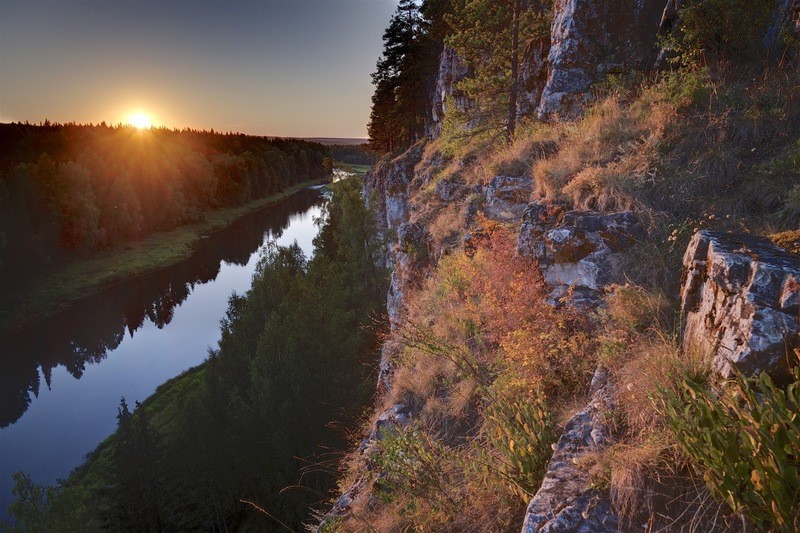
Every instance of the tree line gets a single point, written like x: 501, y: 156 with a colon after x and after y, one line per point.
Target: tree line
x: 252, y: 427
x: 68, y: 189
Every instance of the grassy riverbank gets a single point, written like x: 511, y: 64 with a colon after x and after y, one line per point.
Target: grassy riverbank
x: 253, y: 421
x: 58, y: 288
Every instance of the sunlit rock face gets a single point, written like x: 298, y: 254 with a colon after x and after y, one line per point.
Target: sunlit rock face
x: 741, y: 296
x: 566, y: 500
x: 446, y: 94
x: 579, y: 252
x: 591, y: 39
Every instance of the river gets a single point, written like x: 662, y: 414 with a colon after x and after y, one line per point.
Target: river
x: 62, y: 379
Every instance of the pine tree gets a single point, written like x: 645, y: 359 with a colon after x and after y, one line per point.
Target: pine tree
x: 404, y: 75
x: 491, y: 37
x: 135, y: 502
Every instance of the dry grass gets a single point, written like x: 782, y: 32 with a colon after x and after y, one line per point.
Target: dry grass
x: 640, y: 468
x: 533, y: 143
x: 447, y: 227
x: 788, y: 240
x: 729, y: 149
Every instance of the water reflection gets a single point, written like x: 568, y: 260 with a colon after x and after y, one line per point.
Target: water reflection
x: 97, y: 325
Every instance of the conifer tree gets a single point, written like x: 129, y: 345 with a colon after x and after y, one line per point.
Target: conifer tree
x: 405, y: 72
x: 491, y: 37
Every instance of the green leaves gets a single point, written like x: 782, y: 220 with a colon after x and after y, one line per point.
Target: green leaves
x: 521, y: 430
x: 746, y: 442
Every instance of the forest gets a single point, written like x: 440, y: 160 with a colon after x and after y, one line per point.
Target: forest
x: 69, y: 189
x: 251, y: 437
x: 358, y: 154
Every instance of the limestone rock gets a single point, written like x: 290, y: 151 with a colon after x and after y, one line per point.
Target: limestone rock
x: 533, y: 77
x: 593, y: 38
x: 413, y: 241
x: 449, y: 190
x: 446, y: 94
x: 507, y: 197
x: 389, y: 351
x: 741, y: 297
x: 386, y: 423
x: 578, y: 249
x: 565, y: 501
x: 412, y: 254
x: 386, y: 188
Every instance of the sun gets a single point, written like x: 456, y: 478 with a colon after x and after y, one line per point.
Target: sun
x: 140, y: 120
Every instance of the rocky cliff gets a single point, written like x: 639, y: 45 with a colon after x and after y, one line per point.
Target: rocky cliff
x: 739, y: 294
x: 589, y: 40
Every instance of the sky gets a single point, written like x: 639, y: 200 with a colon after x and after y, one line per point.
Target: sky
x: 294, y: 68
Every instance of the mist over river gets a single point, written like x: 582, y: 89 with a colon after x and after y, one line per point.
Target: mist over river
x: 62, y: 379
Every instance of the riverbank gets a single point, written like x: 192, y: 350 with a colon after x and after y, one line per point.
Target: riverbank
x: 191, y: 448
x: 58, y: 289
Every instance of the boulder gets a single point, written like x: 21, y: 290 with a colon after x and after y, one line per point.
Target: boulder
x: 578, y: 249
x: 507, y: 197
x: 741, y: 296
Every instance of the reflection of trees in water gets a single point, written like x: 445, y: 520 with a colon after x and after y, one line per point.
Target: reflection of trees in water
x: 97, y: 325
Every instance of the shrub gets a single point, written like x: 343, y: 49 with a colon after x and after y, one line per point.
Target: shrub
x: 414, y: 466
x: 746, y: 442
x: 713, y: 30
x: 520, y: 429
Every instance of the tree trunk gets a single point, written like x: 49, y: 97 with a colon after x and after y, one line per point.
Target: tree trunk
x: 511, y: 123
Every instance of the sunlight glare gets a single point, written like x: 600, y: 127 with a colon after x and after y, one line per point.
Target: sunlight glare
x: 140, y: 121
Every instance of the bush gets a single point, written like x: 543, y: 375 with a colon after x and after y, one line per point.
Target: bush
x: 521, y: 430
x: 719, y: 29
x: 746, y: 443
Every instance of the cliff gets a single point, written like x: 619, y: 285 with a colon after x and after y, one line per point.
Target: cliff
x: 534, y: 371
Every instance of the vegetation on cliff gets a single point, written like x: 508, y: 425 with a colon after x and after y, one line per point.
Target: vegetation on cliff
x: 487, y: 366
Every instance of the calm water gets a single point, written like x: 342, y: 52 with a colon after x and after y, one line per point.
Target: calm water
x: 61, y: 381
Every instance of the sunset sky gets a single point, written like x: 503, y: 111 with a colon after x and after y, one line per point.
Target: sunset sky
x: 274, y: 67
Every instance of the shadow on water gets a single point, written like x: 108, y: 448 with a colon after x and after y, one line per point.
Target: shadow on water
x: 96, y: 325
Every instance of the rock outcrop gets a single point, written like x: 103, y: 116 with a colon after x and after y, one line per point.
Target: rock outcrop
x: 446, y: 93
x: 578, y: 252
x: 386, y: 189
x: 566, y: 501
x: 450, y: 190
x: 411, y: 256
x: 591, y: 39
x: 507, y: 197
x: 532, y: 77
x: 741, y: 296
